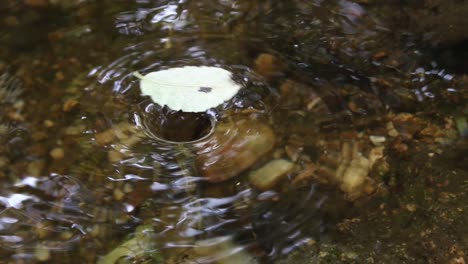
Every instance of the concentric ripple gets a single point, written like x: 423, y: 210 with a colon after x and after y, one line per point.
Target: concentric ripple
x: 189, y: 187
x: 194, y: 193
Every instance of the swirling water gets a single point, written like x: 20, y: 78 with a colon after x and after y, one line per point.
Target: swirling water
x: 91, y: 172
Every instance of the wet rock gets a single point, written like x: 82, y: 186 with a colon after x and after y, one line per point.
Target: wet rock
x: 118, y: 194
x: 268, y: 66
x: 48, y: 123
x: 3, y: 162
x: 270, y: 174
x: 124, y: 133
x: 57, y: 153
x: 348, y: 167
x: 234, y: 147
x: 134, y: 248
x: 74, y: 130
x: 293, y: 151
x: 42, y: 253
x: 114, y: 156
x: 377, y: 140
x: 354, y: 174
x: 69, y: 105
x: 407, y: 125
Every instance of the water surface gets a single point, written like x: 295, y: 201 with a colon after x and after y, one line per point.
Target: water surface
x: 371, y: 122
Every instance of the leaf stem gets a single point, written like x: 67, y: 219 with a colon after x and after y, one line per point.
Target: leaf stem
x: 138, y: 75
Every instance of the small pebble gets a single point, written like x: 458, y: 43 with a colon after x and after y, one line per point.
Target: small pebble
x: 457, y: 260
x: 114, y: 156
x: 293, y: 152
x: 95, y: 231
x: 3, y: 162
x: 14, y: 116
x: 74, y: 130
x: 66, y: 235
x: 48, y: 123
x: 411, y: 207
x: 105, y: 137
x: 379, y: 55
x: 118, y: 194
x: 287, y: 87
x: 271, y: 173
x: 59, y: 76
x: 42, y: 253
x: 393, y: 133
x: 69, y: 105
x: 377, y: 140
x: 314, y: 103
x: 57, y: 153
x: 18, y: 105
x: 391, y: 130
x: 267, y: 65
x: 127, y: 188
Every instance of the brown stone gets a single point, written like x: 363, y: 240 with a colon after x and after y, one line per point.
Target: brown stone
x: 234, y: 147
x: 69, y: 105
x: 267, y: 65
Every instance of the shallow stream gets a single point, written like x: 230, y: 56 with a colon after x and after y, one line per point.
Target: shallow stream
x: 346, y: 144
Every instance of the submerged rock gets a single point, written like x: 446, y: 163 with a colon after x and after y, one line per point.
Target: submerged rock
x: 268, y: 66
x: 270, y: 174
x: 233, y: 147
x: 345, y: 165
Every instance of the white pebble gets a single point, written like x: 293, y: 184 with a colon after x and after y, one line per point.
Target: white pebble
x: 377, y: 140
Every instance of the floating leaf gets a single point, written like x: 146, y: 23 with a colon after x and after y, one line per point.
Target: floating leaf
x: 190, y: 88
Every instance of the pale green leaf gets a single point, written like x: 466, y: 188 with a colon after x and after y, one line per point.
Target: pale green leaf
x: 190, y: 88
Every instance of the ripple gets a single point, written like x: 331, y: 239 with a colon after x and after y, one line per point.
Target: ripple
x: 55, y: 212
x: 194, y: 191
x: 323, y: 91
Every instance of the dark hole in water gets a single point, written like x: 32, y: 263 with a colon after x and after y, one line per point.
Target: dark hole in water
x: 178, y: 126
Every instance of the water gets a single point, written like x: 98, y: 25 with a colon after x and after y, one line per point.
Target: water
x: 368, y: 126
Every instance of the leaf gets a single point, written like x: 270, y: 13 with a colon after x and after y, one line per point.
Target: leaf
x: 190, y: 88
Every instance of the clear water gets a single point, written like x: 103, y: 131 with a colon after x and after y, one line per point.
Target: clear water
x: 372, y: 124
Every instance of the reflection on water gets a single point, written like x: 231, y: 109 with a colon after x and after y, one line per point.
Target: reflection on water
x: 335, y: 121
